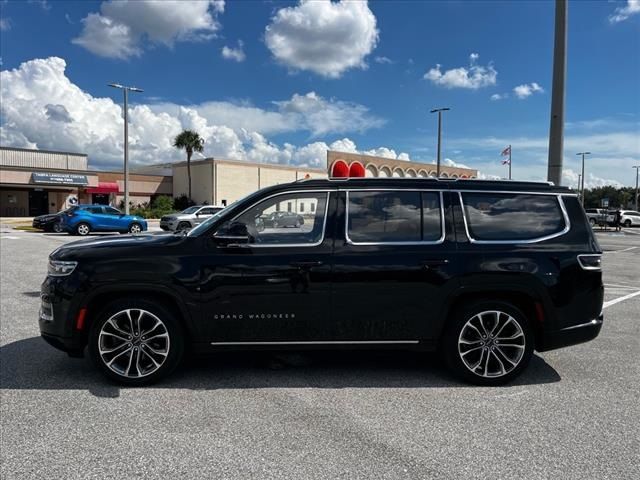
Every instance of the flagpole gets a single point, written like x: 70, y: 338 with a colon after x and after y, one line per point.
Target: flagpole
x: 509, y: 162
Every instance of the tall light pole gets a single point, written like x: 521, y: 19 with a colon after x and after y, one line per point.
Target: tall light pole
x: 637, y: 167
x: 126, y: 90
x: 556, y: 127
x: 579, y: 177
x: 582, y: 185
x: 439, y: 110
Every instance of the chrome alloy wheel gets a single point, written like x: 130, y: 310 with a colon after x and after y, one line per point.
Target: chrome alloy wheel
x: 135, y: 228
x: 491, y: 344
x: 83, y: 229
x: 133, y: 343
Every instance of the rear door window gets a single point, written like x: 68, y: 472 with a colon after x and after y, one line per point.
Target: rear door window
x: 94, y: 210
x: 393, y: 217
x: 512, y: 216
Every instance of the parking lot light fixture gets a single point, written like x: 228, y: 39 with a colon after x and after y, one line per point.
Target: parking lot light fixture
x: 637, y: 167
x: 582, y: 185
x: 439, y: 110
x: 126, y: 140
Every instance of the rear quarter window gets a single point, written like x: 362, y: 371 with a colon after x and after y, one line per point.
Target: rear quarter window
x: 512, y: 216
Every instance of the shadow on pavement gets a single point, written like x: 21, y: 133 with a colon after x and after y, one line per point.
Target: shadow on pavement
x: 33, y: 365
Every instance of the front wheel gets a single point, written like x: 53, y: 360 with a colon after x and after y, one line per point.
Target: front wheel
x: 183, y: 226
x: 83, y: 229
x: 593, y: 222
x: 136, y: 342
x: 488, y: 343
x: 57, y: 227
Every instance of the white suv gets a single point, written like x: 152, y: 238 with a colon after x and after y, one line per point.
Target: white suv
x: 189, y: 218
x: 630, y: 218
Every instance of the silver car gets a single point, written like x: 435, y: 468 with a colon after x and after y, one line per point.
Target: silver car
x: 188, y: 218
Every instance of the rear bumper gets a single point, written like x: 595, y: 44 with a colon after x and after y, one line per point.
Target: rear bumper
x: 570, y: 335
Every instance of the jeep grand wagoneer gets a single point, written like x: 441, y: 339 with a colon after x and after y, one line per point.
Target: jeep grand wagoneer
x: 485, y: 272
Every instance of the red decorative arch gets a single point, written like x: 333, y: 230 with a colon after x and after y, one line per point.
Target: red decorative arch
x: 356, y: 169
x: 339, y: 169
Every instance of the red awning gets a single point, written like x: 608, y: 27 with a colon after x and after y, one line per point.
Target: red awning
x: 104, y: 187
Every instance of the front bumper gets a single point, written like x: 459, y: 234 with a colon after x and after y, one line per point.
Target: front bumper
x: 570, y: 335
x: 58, y: 307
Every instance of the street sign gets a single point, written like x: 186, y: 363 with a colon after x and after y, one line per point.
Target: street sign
x: 605, y: 202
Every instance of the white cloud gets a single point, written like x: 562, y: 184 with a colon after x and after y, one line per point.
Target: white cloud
x: 383, y: 60
x: 122, y: 27
x: 499, y: 96
x: 471, y: 77
x: 570, y: 179
x: 5, y: 24
x: 322, y: 36
x: 42, y: 108
x: 237, y: 54
x: 620, y: 14
x: 526, y: 90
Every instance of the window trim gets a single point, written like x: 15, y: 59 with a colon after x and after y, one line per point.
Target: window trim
x: 289, y: 192
x: 419, y: 190
x: 563, y: 209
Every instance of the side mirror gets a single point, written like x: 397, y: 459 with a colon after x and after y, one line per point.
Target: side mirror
x: 198, y: 214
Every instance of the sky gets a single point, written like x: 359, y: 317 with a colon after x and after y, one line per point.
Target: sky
x: 281, y: 82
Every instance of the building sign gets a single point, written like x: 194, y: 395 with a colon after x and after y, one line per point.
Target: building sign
x: 59, y: 178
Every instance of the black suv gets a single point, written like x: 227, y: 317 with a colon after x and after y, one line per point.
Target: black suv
x: 482, y: 271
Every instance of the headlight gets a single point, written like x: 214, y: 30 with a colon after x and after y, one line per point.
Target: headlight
x: 61, y: 269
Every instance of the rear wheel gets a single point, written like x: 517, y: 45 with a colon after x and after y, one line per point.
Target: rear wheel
x: 83, y: 229
x: 136, y: 342
x: 593, y: 222
x: 627, y: 223
x: 488, y: 343
x: 135, y: 228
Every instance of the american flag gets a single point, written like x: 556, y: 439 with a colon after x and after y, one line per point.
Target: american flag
x: 506, y: 153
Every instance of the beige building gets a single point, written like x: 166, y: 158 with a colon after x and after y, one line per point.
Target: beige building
x: 220, y: 182
x: 36, y: 182
x: 387, y: 167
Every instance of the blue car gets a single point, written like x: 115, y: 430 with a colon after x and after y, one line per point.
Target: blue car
x: 84, y: 219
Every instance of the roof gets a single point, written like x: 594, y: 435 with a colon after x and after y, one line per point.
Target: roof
x: 454, y: 184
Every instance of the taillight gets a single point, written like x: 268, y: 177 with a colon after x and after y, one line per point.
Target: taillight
x: 590, y: 261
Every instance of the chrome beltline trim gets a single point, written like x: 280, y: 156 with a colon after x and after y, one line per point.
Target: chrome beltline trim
x: 330, y: 342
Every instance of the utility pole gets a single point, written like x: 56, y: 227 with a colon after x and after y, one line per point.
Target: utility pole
x: 439, y: 110
x: 556, y: 128
x: 126, y: 140
x: 582, y: 185
x: 637, y: 167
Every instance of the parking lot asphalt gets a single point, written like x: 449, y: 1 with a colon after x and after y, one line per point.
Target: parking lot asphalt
x: 575, y: 413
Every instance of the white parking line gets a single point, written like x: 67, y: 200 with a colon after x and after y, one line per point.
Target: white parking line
x: 9, y: 237
x: 619, y: 251
x: 620, y: 299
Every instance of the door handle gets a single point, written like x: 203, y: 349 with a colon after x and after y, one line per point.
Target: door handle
x: 305, y: 264
x: 427, y: 264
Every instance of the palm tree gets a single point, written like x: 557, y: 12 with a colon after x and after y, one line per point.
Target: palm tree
x: 189, y: 141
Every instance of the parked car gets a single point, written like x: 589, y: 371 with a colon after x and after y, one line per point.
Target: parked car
x: 50, y: 222
x: 84, y: 219
x: 485, y: 272
x: 282, y: 220
x: 599, y: 216
x: 188, y: 218
x: 630, y: 218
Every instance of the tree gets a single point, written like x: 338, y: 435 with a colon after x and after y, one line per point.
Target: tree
x: 190, y: 142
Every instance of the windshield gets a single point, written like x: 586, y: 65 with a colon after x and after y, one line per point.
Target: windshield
x: 191, y: 210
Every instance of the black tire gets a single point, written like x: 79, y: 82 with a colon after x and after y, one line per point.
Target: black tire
x: 593, y: 222
x: 57, y: 227
x: 83, y: 229
x: 174, y: 345
x: 135, y: 226
x: 627, y: 223
x: 453, y: 356
x: 183, y: 226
